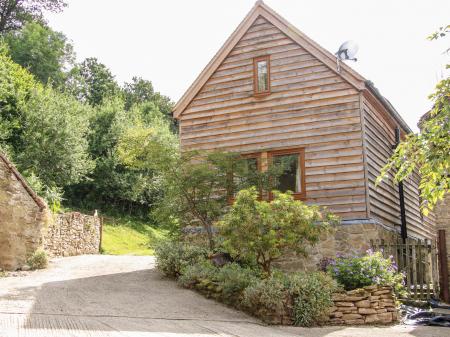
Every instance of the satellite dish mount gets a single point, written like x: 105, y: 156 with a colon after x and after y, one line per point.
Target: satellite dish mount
x: 347, y: 52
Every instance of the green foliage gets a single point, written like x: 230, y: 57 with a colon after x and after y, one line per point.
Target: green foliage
x: 233, y: 279
x: 264, y: 231
x: 174, y: 256
x: 52, y: 195
x: 372, y: 268
x: 92, y: 82
x: 427, y: 152
x: 269, y: 293
x: 313, y: 296
x: 38, y: 260
x: 310, y: 292
x: 201, y: 272
x: 41, y: 50
x: 44, y: 131
x: 53, y: 143
x: 15, y: 13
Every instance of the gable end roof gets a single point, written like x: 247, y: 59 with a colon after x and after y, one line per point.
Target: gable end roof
x: 41, y: 204
x: 261, y: 9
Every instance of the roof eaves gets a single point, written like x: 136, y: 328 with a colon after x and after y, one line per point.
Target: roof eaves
x: 388, y: 105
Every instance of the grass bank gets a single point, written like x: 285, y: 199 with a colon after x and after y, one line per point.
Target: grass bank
x: 127, y: 236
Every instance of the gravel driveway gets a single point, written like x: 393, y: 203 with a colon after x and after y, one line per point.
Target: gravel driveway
x: 98, y: 295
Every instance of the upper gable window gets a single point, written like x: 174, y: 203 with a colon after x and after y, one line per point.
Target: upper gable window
x: 261, y: 75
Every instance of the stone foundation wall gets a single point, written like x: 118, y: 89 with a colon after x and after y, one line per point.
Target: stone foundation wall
x: 73, y: 234
x: 347, y: 238
x: 368, y: 305
x: 22, y: 217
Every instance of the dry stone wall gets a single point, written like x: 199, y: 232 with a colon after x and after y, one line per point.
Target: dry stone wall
x: 73, y: 234
x: 22, y: 217
x: 368, y: 305
x: 348, y: 238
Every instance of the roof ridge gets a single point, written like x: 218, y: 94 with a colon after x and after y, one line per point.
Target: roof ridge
x: 41, y: 204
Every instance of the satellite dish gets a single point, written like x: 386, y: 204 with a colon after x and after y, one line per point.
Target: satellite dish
x: 347, y: 52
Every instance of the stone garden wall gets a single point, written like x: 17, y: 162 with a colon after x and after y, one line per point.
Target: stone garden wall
x: 73, y: 234
x: 347, y: 238
x: 368, y: 305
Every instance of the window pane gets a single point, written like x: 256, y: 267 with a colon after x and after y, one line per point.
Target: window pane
x: 290, y: 179
x: 263, y: 81
x: 246, y: 173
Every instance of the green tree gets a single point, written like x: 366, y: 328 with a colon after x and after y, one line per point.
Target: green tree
x: 44, y: 131
x: 41, y: 50
x: 427, y: 152
x: 141, y: 91
x: 264, y: 231
x: 53, y: 143
x: 15, y: 13
x: 113, y: 186
x: 15, y: 86
x: 196, y: 187
x: 92, y: 82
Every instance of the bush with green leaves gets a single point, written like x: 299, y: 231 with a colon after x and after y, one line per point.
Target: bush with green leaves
x: 173, y: 256
x: 38, y: 260
x: 355, y: 272
x: 265, y: 231
x: 312, y: 293
x: 233, y: 279
x: 202, y: 271
x: 268, y: 294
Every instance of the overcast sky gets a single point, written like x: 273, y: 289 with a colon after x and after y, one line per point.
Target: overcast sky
x: 170, y: 41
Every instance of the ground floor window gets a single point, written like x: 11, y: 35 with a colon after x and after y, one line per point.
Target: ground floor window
x: 292, y: 171
x: 288, y: 171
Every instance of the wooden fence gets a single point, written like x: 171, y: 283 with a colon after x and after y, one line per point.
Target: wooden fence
x: 417, y: 259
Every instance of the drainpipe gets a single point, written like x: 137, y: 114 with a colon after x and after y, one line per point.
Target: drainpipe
x: 401, y: 195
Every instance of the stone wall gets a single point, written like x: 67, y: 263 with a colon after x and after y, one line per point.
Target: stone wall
x: 347, y: 238
x: 22, y: 217
x: 73, y: 234
x: 368, y: 305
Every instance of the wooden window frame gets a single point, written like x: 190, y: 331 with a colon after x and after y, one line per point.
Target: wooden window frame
x: 301, y: 158
x: 255, y: 76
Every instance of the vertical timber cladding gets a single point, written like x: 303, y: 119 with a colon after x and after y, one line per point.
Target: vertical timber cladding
x: 379, y: 135
x: 309, y: 106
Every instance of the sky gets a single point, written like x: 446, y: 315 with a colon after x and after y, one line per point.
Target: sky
x: 170, y: 41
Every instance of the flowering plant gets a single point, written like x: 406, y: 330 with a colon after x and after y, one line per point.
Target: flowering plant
x: 356, y: 272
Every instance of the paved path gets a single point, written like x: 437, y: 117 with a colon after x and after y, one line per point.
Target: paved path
x: 124, y: 296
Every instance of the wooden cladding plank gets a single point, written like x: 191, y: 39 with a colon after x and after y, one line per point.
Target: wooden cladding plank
x: 309, y: 106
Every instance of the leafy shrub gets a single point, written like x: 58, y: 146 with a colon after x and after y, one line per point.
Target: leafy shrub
x: 310, y: 292
x: 38, y: 260
x: 173, y: 256
x: 372, y: 268
x: 234, y: 279
x: 202, y: 271
x: 264, y: 231
x: 268, y: 293
x: 312, y: 296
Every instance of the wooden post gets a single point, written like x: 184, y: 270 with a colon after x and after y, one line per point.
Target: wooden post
x: 101, y: 235
x: 443, y: 266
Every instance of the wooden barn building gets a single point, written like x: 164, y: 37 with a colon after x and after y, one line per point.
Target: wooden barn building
x: 271, y: 91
